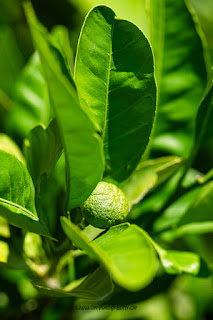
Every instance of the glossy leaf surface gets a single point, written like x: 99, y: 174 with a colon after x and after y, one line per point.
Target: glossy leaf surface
x: 114, y: 74
x: 17, y: 201
x: 177, y: 262
x: 125, y: 251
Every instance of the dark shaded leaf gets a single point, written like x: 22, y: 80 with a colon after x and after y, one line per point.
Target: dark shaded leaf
x: 96, y: 286
x: 43, y: 149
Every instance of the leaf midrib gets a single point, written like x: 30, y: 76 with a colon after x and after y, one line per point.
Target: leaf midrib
x: 15, y: 205
x: 107, y: 84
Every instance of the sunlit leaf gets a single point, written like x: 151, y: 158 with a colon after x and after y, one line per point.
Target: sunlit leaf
x: 125, y: 251
x: 17, y: 201
x: 114, y: 74
x: 148, y: 175
x: 177, y: 262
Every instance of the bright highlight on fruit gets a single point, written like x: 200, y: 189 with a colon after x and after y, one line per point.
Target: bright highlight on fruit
x: 106, y: 206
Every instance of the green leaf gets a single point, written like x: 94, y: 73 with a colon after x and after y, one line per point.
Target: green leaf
x: 176, y: 211
x: 96, y: 286
x: 177, y: 262
x: 198, y: 218
x: 82, y: 145
x: 11, y: 60
x: 201, y: 208
x: 114, y: 74
x: 10, y: 146
x: 204, y: 118
x: 31, y: 104
x: 148, y: 175
x: 17, y: 201
x: 50, y: 196
x: 181, y: 67
x: 150, y: 207
x: 193, y: 228
x: 125, y: 251
x: 42, y: 150
x: 60, y: 37
x: 177, y: 142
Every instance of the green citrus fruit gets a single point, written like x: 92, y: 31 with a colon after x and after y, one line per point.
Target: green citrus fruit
x: 106, y: 206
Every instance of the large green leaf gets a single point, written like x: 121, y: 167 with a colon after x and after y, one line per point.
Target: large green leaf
x: 82, y: 145
x: 17, y: 201
x: 96, y: 286
x: 180, y: 68
x: 31, y: 105
x: 125, y: 250
x: 148, y: 175
x: 114, y: 74
x: 43, y: 149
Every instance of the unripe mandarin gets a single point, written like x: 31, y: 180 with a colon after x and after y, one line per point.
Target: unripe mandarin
x: 106, y: 206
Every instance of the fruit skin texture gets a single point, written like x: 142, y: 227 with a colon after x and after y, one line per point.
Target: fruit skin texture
x: 106, y: 206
